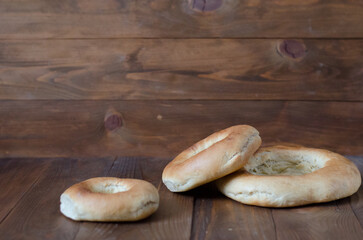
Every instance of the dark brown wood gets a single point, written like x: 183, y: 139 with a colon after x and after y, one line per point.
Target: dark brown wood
x: 172, y: 220
x: 165, y: 128
x: 37, y: 214
x: 314, y: 221
x: 317, y: 221
x: 205, y: 6
x: 251, y: 69
x: 180, y: 19
x: 356, y: 199
x: 13, y: 184
x: 217, y: 217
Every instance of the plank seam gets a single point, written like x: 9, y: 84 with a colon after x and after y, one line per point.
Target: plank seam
x: 25, y: 193
x: 355, y: 214
x: 76, y: 234
x: 113, y: 163
x: 193, y: 220
x: 355, y: 159
x: 274, y: 223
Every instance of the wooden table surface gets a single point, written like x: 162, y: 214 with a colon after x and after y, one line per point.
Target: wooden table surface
x: 30, y: 191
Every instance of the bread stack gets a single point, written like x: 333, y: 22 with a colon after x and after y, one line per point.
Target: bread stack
x: 278, y: 176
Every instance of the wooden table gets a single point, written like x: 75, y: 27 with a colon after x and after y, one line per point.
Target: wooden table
x: 30, y: 191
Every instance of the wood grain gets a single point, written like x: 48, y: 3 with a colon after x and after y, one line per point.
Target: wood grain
x: 13, y: 185
x: 223, y: 69
x: 180, y: 19
x: 217, y: 217
x: 171, y: 221
x: 316, y: 221
x: 164, y: 128
x: 37, y: 215
x: 356, y: 199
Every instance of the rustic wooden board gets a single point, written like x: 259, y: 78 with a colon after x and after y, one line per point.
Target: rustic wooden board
x: 164, y: 128
x: 13, y: 185
x: 37, y: 214
x: 181, y: 18
x: 250, y: 69
x: 316, y: 221
x: 356, y: 199
x: 172, y: 220
x: 216, y: 217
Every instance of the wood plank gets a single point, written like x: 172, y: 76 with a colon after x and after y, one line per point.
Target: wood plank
x: 37, y: 215
x: 317, y: 221
x: 14, y: 185
x: 171, y: 221
x: 356, y: 200
x: 217, y: 217
x: 266, y: 69
x: 180, y: 18
x: 164, y: 128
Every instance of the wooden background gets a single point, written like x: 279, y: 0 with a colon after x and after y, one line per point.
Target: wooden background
x: 119, y: 87
x: 151, y: 77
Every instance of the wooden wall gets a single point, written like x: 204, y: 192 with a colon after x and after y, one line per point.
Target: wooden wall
x: 151, y: 77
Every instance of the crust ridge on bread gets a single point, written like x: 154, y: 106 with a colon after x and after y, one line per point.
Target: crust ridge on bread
x: 217, y: 155
x: 332, y: 177
x: 109, y: 199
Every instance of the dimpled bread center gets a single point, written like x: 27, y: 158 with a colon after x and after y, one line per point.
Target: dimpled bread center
x: 285, y: 163
x: 283, y: 167
x: 109, y: 188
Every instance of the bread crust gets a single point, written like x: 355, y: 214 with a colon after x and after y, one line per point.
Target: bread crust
x: 94, y: 200
x: 217, y: 155
x: 336, y: 178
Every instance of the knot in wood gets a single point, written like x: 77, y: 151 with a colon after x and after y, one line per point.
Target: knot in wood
x: 206, y: 5
x: 292, y: 48
x: 113, y: 122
